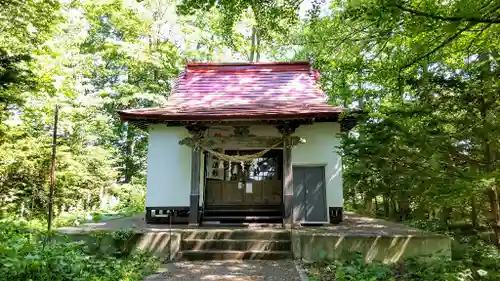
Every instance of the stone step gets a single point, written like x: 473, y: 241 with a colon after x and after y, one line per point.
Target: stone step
x: 237, y: 245
x: 240, y: 234
x: 243, y: 207
x: 234, y: 255
x: 244, y: 218
x: 248, y: 225
x: 248, y: 212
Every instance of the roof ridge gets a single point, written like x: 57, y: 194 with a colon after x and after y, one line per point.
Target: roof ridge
x: 247, y: 63
x: 248, y: 67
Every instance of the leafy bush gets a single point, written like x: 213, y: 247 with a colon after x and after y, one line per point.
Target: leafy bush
x: 29, y: 254
x: 132, y: 198
x: 479, y: 262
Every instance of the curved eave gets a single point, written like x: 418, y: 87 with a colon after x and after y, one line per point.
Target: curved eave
x: 347, y: 119
x: 126, y: 116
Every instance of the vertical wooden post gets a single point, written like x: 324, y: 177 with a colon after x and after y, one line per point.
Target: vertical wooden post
x: 287, y: 184
x: 197, y: 131
x: 194, y: 197
x: 53, y: 170
x: 287, y: 129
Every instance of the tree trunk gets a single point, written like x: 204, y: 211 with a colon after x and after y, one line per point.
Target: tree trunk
x: 404, y: 207
x: 354, y: 202
x: 2, y: 209
x: 495, y: 212
x: 473, y: 214
x: 129, y: 162
x: 445, y: 215
x: 22, y: 209
x: 489, y: 156
x: 257, y: 46
x: 253, y: 44
x: 393, y: 210
x: 369, y: 203
x: 102, y: 198
x: 386, y: 206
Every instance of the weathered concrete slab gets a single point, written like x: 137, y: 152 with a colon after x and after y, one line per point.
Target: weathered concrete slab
x: 388, y: 249
x: 227, y: 271
x: 375, y: 239
x: 162, y: 244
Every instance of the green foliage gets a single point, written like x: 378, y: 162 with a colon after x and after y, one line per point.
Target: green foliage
x: 478, y: 262
x: 26, y: 254
x: 132, y: 198
x: 25, y: 25
x: 424, y: 73
x: 91, y: 59
x: 265, y: 23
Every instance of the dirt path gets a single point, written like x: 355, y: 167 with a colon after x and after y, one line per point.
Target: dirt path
x: 227, y: 271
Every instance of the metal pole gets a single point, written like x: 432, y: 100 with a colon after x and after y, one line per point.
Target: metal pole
x: 169, y: 212
x: 53, y: 170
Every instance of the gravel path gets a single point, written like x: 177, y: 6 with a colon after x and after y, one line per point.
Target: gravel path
x: 227, y: 271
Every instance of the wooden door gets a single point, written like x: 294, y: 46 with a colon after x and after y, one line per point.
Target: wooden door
x: 223, y: 193
x: 235, y: 193
x: 255, y: 183
x: 309, y: 194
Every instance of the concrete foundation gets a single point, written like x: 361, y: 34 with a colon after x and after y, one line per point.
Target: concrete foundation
x: 310, y: 247
x: 163, y: 244
x: 375, y: 239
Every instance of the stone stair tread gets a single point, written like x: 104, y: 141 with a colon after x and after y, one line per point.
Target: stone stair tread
x: 236, y: 251
x: 243, y: 217
x: 242, y: 211
x: 247, y: 225
x: 234, y: 240
x: 251, y: 232
x: 233, y: 255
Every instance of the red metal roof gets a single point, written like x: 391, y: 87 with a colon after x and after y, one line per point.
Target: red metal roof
x: 218, y: 91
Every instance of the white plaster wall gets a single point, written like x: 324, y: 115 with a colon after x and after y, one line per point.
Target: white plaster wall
x: 169, y: 167
x: 321, y: 149
x: 169, y: 164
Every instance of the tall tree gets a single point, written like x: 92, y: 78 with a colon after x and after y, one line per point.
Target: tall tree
x: 266, y: 20
x: 422, y: 71
x: 131, y: 67
x: 24, y: 26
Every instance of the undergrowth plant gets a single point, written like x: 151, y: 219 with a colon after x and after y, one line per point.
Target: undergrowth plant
x: 468, y: 263
x: 31, y: 254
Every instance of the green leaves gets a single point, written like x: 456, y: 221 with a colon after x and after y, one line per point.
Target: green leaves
x: 25, y: 256
x: 248, y: 28
x: 422, y: 72
x: 471, y: 265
